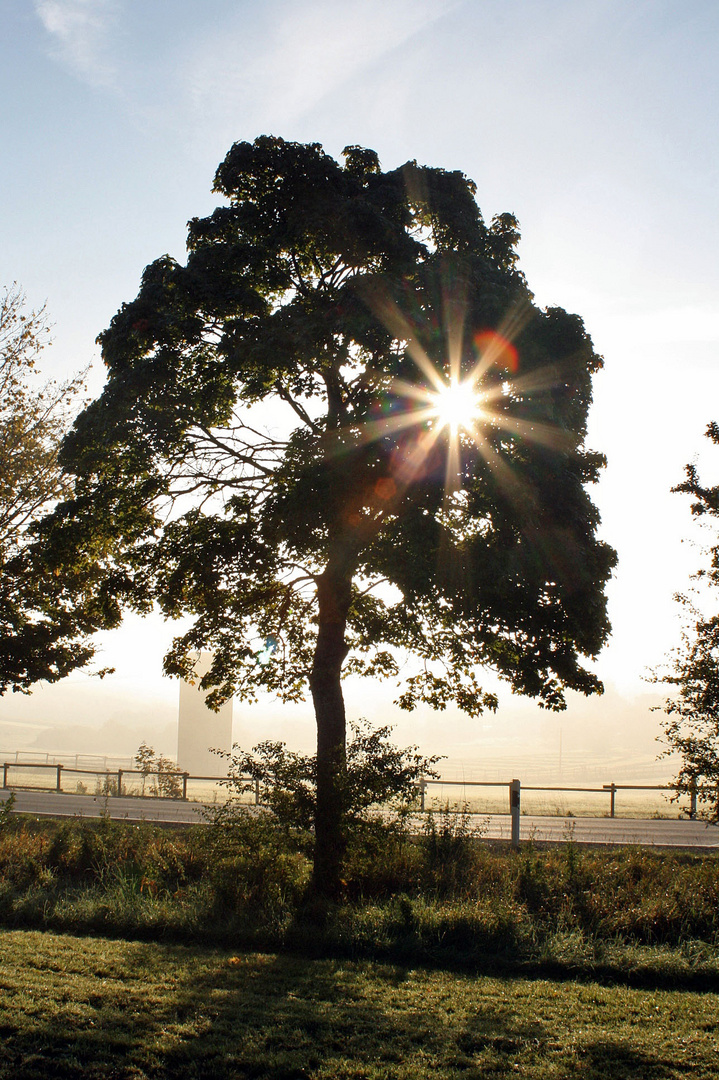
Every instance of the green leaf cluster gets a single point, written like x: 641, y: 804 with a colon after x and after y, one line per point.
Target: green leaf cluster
x: 379, y: 774
x: 44, y: 618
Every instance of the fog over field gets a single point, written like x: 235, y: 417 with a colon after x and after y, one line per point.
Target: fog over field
x: 610, y: 738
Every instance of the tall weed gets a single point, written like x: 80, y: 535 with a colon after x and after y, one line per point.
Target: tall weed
x: 6, y: 810
x: 445, y: 891
x: 451, y: 852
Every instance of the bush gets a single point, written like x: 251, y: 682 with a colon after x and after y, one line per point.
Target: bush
x: 383, y: 857
x: 379, y: 774
x: 252, y: 862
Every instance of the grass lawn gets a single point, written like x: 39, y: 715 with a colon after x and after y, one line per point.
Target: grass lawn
x: 91, y: 1007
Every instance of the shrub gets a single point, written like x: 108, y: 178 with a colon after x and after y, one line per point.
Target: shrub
x: 379, y: 774
x: 168, y: 778
x: 254, y: 867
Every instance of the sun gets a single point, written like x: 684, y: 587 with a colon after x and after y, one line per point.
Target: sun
x: 457, y: 405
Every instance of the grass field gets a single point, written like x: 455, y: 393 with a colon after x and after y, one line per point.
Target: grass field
x: 446, y: 956
x: 90, y: 1008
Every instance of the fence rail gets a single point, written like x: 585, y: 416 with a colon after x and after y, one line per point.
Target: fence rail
x: 174, y: 784
x: 153, y: 783
x: 90, y: 762
x: 696, y: 792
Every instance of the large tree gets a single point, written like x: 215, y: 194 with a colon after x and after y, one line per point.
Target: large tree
x: 42, y: 626
x: 343, y: 435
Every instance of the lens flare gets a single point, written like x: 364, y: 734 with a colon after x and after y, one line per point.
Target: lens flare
x: 466, y: 401
x: 495, y: 349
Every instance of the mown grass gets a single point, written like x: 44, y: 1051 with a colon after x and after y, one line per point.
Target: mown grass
x: 446, y: 957
x: 97, y: 1008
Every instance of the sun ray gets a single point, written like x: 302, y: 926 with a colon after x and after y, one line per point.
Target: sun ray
x: 406, y: 389
x: 461, y: 409
x: 399, y: 325
x: 454, y: 303
x: 555, y: 548
x: 453, y: 465
x: 534, y: 382
x: 545, y: 434
x: 372, y: 430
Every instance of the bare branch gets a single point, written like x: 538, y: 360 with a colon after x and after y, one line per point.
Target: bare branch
x: 295, y: 405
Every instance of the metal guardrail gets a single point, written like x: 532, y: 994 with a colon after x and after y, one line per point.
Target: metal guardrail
x: 174, y: 784
x: 168, y: 783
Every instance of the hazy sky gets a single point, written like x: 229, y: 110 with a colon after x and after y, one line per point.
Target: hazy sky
x: 594, y: 121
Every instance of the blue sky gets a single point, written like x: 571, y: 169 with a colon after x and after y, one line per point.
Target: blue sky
x: 594, y: 121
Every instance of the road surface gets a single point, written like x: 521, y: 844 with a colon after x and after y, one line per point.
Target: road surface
x: 646, y: 832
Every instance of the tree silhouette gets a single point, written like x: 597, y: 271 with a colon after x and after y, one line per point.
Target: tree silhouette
x: 42, y: 628
x: 342, y: 436
x: 691, y: 727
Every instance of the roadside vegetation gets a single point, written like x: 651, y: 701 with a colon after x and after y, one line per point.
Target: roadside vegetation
x: 203, y: 951
x: 446, y: 896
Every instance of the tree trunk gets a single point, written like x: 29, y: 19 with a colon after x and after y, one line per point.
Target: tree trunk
x: 333, y: 595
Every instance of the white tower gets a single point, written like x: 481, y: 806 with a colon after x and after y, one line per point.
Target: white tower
x: 199, y: 728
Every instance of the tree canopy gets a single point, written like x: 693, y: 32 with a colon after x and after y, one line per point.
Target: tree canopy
x: 340, y: 436
x: 41, y: 627
x: 691, y: 727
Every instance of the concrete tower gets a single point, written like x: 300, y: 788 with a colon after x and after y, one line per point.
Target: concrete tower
x: 199, y: 728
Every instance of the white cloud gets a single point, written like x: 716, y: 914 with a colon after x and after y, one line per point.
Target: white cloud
x: 274, y: 71
x: 79, y: 32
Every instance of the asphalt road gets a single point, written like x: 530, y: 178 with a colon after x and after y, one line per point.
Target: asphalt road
x: 646, y: 832
x: 127, y: 808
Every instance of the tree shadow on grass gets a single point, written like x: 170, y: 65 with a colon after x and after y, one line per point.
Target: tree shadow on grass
x: 635, y: 977
x: 224, y: 1016
x: 620, y: 1062
x: 201, y: 1013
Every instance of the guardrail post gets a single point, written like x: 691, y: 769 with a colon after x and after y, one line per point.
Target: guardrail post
x: 119, y: 781
x: 59, y: 778
x: 612, y: 789
x: 422, y: 790
x: 185, y: 778
x: 514, y: 809
x: 4, y: 775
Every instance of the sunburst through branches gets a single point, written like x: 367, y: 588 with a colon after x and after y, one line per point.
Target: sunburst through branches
x: 458, y: 406
x: 459, y: 400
